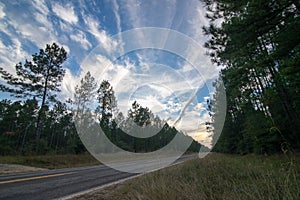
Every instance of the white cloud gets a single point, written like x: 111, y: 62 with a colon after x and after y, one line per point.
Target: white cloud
x: 10, y: 55
x: 68, y: 84
x: 150, y: 13
x: 198, y: 20
x: 107, y: 42
x: 96, y: 65
x: 2, y: 46
x: 132, y: 10
x: 43, y: 26
x: 40, y: 6
x: 42, y: 19
x: 41, y: 14
x: 187, y: 68
x: 33, y: 25
x: 80, y: 37
x: 2, y: 13
x: 194, y: 125
x: 29, y: 31
x: 65, y: 12
x: 66, y: 27
x: 118, y: 21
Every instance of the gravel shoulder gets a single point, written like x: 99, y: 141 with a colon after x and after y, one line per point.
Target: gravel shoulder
x: 9, y: 168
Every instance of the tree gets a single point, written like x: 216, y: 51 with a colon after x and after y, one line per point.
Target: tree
x: 39, y: 78
x: 107, y: 101
x: 17, y: 124
x: 107, y: 110
x: 258, y: 45
x: 85, y: 93
x: 140, y: 115
x: 10, y: 129
x: 27, y: 117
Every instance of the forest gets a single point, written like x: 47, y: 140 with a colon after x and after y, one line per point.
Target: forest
x: 257, y: 45
x: 37, y: 122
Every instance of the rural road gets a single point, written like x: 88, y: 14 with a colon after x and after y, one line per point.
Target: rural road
x: 53, y: 184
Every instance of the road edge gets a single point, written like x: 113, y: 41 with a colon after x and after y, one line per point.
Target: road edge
x: 97, y: 188
x: 68, y: 197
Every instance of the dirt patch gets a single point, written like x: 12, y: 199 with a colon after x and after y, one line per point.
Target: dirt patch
x: 7, y: 169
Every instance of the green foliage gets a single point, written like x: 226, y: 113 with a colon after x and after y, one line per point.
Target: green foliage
x: 17, y: 125
x: 85, y: 93
x: 39, y: 78
x: 33, y: 127
x: 258, y: 45
x: 117, y: 127
x: 140, y: 115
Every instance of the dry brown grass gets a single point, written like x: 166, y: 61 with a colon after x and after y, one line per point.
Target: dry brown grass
x: 51, y: 161
x: 217, y: 176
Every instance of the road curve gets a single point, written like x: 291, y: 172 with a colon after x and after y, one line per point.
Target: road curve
x: 53, y: 184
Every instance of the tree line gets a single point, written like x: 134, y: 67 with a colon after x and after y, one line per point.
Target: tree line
x: 37, y: 122
x: 257, y: 43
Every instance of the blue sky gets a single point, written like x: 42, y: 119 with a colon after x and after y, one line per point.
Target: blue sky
x: 159, y: 79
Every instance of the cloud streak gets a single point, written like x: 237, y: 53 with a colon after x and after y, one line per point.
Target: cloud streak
x: 65, y: 12
x: 103, y: 38
x: 154, y: 78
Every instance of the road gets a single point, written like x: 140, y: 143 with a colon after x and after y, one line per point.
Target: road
x: 53, y: 184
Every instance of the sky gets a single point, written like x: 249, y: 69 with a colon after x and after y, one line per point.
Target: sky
x: 163, y: 67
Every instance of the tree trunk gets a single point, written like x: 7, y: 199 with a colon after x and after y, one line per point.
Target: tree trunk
x: 284, y: 96
x: 38, y: 122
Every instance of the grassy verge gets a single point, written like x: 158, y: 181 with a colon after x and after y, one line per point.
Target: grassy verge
x: 217, y: 176
x: 51, y: 161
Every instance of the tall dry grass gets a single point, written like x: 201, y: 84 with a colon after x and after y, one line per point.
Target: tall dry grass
x: 51, y: 161
x: 217, y: 176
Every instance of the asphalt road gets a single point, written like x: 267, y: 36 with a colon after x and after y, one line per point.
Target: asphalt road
x: 53, y: 184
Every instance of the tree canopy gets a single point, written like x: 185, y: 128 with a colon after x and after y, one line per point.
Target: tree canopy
x: 19, y: 121
x: 257, y: 43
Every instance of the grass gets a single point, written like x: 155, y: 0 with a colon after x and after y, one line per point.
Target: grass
x: 51, y: 161
x: 217, y: 176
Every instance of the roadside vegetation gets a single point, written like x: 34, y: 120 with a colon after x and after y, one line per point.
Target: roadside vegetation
x: 51, y: 161
x: 217, y: 176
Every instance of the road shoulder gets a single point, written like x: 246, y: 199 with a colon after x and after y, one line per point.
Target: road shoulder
x: 11, y: 169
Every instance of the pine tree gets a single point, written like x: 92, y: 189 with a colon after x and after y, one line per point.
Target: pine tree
x: 85, y: 93
x: 39, y: 78
x: 107, y: 101
x: 140, y: 115
x: 258, y: 45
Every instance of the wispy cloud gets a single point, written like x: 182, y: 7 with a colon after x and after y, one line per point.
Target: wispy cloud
x: 2, y: 13
x: 118, y: 22
x: 11, y: 54
x: 99, y: 33
x: 68, y: 85
x: 81, y: 38
x: 65, y: 12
